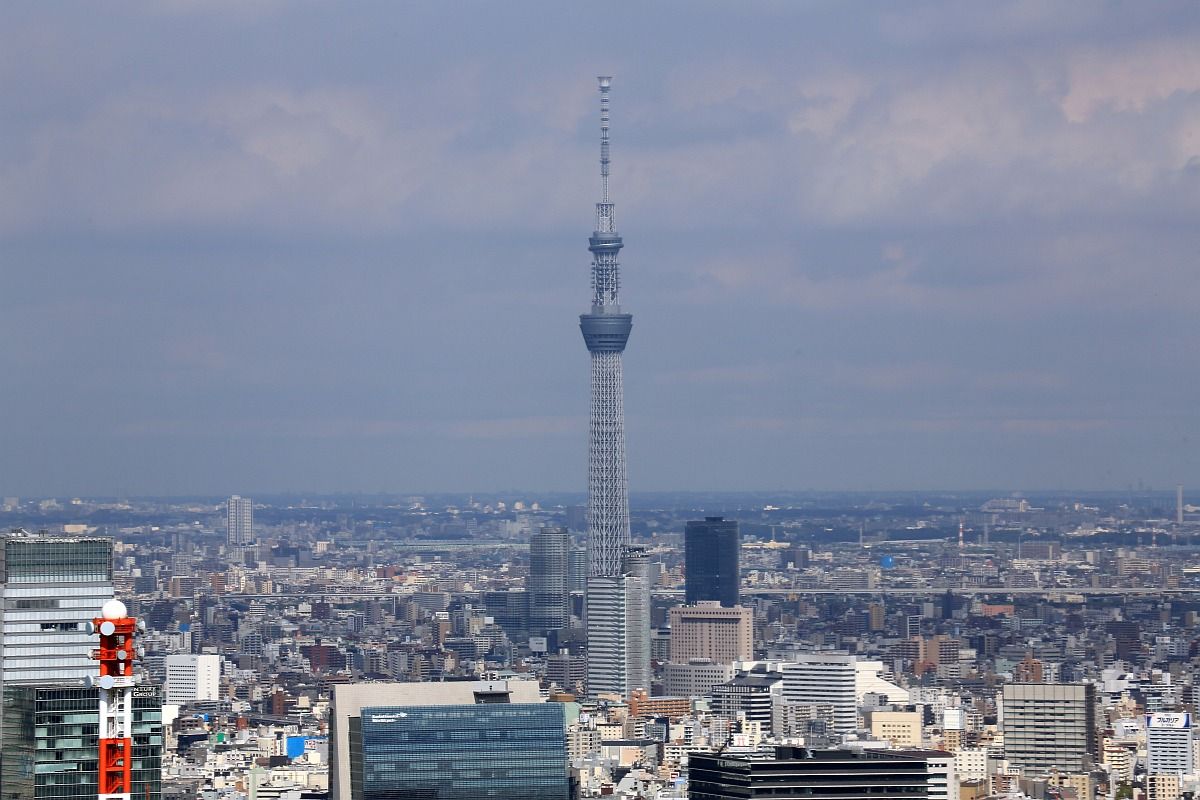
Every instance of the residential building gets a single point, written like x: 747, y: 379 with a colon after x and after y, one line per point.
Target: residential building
x: 1163, y: 786
x: 549, y: 591
x: 239, y: 521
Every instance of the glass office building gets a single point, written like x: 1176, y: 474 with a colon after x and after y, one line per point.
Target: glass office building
x: 712, y: 561
x: 49, y: 743
x: 50, y: 586
x: 460, y: 752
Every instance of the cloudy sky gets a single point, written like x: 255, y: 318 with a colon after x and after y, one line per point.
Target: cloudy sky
x: 269, y: 246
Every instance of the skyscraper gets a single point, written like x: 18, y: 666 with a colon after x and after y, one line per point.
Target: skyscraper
x: 618, y: 591
x: 549, y: 593
x: 712, y: 563
x: 240, y: 521
x: 50, y: 587
x: 618, y: 627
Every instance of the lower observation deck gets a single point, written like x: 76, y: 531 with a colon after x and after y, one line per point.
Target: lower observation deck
x: 605, y: 333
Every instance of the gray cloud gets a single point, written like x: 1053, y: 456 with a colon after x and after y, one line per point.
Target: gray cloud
x: 260, y: 246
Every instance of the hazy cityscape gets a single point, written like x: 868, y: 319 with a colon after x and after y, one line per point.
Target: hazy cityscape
x: 876, y: 249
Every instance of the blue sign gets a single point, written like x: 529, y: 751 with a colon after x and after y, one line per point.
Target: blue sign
x: 295, y: 746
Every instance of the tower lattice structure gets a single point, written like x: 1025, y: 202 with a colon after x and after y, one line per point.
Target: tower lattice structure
x: 606, y: 332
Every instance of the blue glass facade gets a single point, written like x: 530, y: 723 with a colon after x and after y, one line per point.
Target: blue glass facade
x: 464, y: 752
x: 712, y: 548
x: 49, y: 748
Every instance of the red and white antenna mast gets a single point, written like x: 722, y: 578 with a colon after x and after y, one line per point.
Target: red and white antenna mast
x: 115, y: 682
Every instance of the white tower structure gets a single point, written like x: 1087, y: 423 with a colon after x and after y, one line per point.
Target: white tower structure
x: 618, y: 601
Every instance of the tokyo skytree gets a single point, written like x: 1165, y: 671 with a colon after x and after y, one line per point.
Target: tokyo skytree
x: 618, y: 587
x: 605, y: 331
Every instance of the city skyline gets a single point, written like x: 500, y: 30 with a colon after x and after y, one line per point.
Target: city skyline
x: 942, y: 248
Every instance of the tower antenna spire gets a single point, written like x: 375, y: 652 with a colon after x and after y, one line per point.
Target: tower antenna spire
x: 605, y: 85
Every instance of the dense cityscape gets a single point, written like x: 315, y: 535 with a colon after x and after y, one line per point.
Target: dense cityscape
x: 1039, y: 646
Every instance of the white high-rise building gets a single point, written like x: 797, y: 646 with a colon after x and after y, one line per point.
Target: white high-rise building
x: 824, y: 679
x: 240, y: 521
x: 192, y: 677
x: 1169, y: 744
x: 618, y: 624
x: 50, y: 588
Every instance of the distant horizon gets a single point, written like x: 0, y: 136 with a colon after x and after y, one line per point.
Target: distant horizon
x: 522, y: 495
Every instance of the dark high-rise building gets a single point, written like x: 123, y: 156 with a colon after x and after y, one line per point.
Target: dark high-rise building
x: 49, y: 748
x: 796, y: 773
x: 549, y: 591
x: 712, y: 560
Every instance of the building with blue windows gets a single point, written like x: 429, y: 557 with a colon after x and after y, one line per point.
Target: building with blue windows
x: 49, y: 743
x: 464, y: 752
x: 452, y: 740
